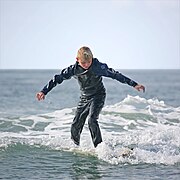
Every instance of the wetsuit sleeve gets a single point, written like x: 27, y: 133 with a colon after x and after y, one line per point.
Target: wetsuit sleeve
x: 65, y: 74
x: 109, y: 72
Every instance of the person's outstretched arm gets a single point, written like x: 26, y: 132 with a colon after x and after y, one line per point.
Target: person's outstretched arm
x: 65, y: 74
x: 104, y: 70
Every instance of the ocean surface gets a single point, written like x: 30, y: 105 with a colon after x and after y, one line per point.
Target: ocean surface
x: 35, y: 136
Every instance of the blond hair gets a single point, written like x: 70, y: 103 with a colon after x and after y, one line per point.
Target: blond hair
x: 84, y: 53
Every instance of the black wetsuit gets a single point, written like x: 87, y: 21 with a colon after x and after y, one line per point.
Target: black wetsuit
x: 92, y: 95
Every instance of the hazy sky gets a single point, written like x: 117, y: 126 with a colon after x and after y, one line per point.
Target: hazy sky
x: 126, y: 34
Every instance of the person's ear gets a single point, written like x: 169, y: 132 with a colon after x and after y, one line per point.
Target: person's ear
x: 77, y: 59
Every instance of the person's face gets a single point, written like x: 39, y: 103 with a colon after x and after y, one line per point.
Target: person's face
x: 85, y: 64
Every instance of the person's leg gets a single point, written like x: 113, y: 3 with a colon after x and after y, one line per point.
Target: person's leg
x: 95, y: 109
x: 79, y: 120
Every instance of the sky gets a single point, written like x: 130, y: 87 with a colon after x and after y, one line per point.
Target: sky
x: 125, y: 34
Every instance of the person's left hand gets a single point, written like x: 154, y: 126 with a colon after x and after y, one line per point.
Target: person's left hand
x: 140, y: 87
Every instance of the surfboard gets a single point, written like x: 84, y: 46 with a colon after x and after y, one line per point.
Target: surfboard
x: 84, y: 152
x: 124, y: 152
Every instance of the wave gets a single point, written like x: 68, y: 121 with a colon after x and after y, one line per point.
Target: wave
x: 148, y: 126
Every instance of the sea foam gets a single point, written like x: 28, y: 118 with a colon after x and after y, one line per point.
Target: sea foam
x: 148, y: 126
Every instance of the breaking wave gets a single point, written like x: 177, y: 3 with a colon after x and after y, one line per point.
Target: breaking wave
x: 148, y: 126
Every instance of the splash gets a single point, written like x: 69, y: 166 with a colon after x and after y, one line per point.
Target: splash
x: 149, y: 127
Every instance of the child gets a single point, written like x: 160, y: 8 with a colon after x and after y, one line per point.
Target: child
x: 88, y: 71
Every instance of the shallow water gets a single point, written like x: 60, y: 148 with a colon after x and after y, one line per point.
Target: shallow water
x: 35, y: 136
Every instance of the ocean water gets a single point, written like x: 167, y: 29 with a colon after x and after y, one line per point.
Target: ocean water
x: 35, y: 136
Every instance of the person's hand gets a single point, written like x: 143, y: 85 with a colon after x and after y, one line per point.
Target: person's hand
x: 140, y: 87
x: 40, y: 96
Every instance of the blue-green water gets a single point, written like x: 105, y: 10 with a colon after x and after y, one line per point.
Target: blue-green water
x: 35, y: 136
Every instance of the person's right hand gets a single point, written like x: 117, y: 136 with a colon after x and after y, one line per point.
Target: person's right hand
x: 40, y: 96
